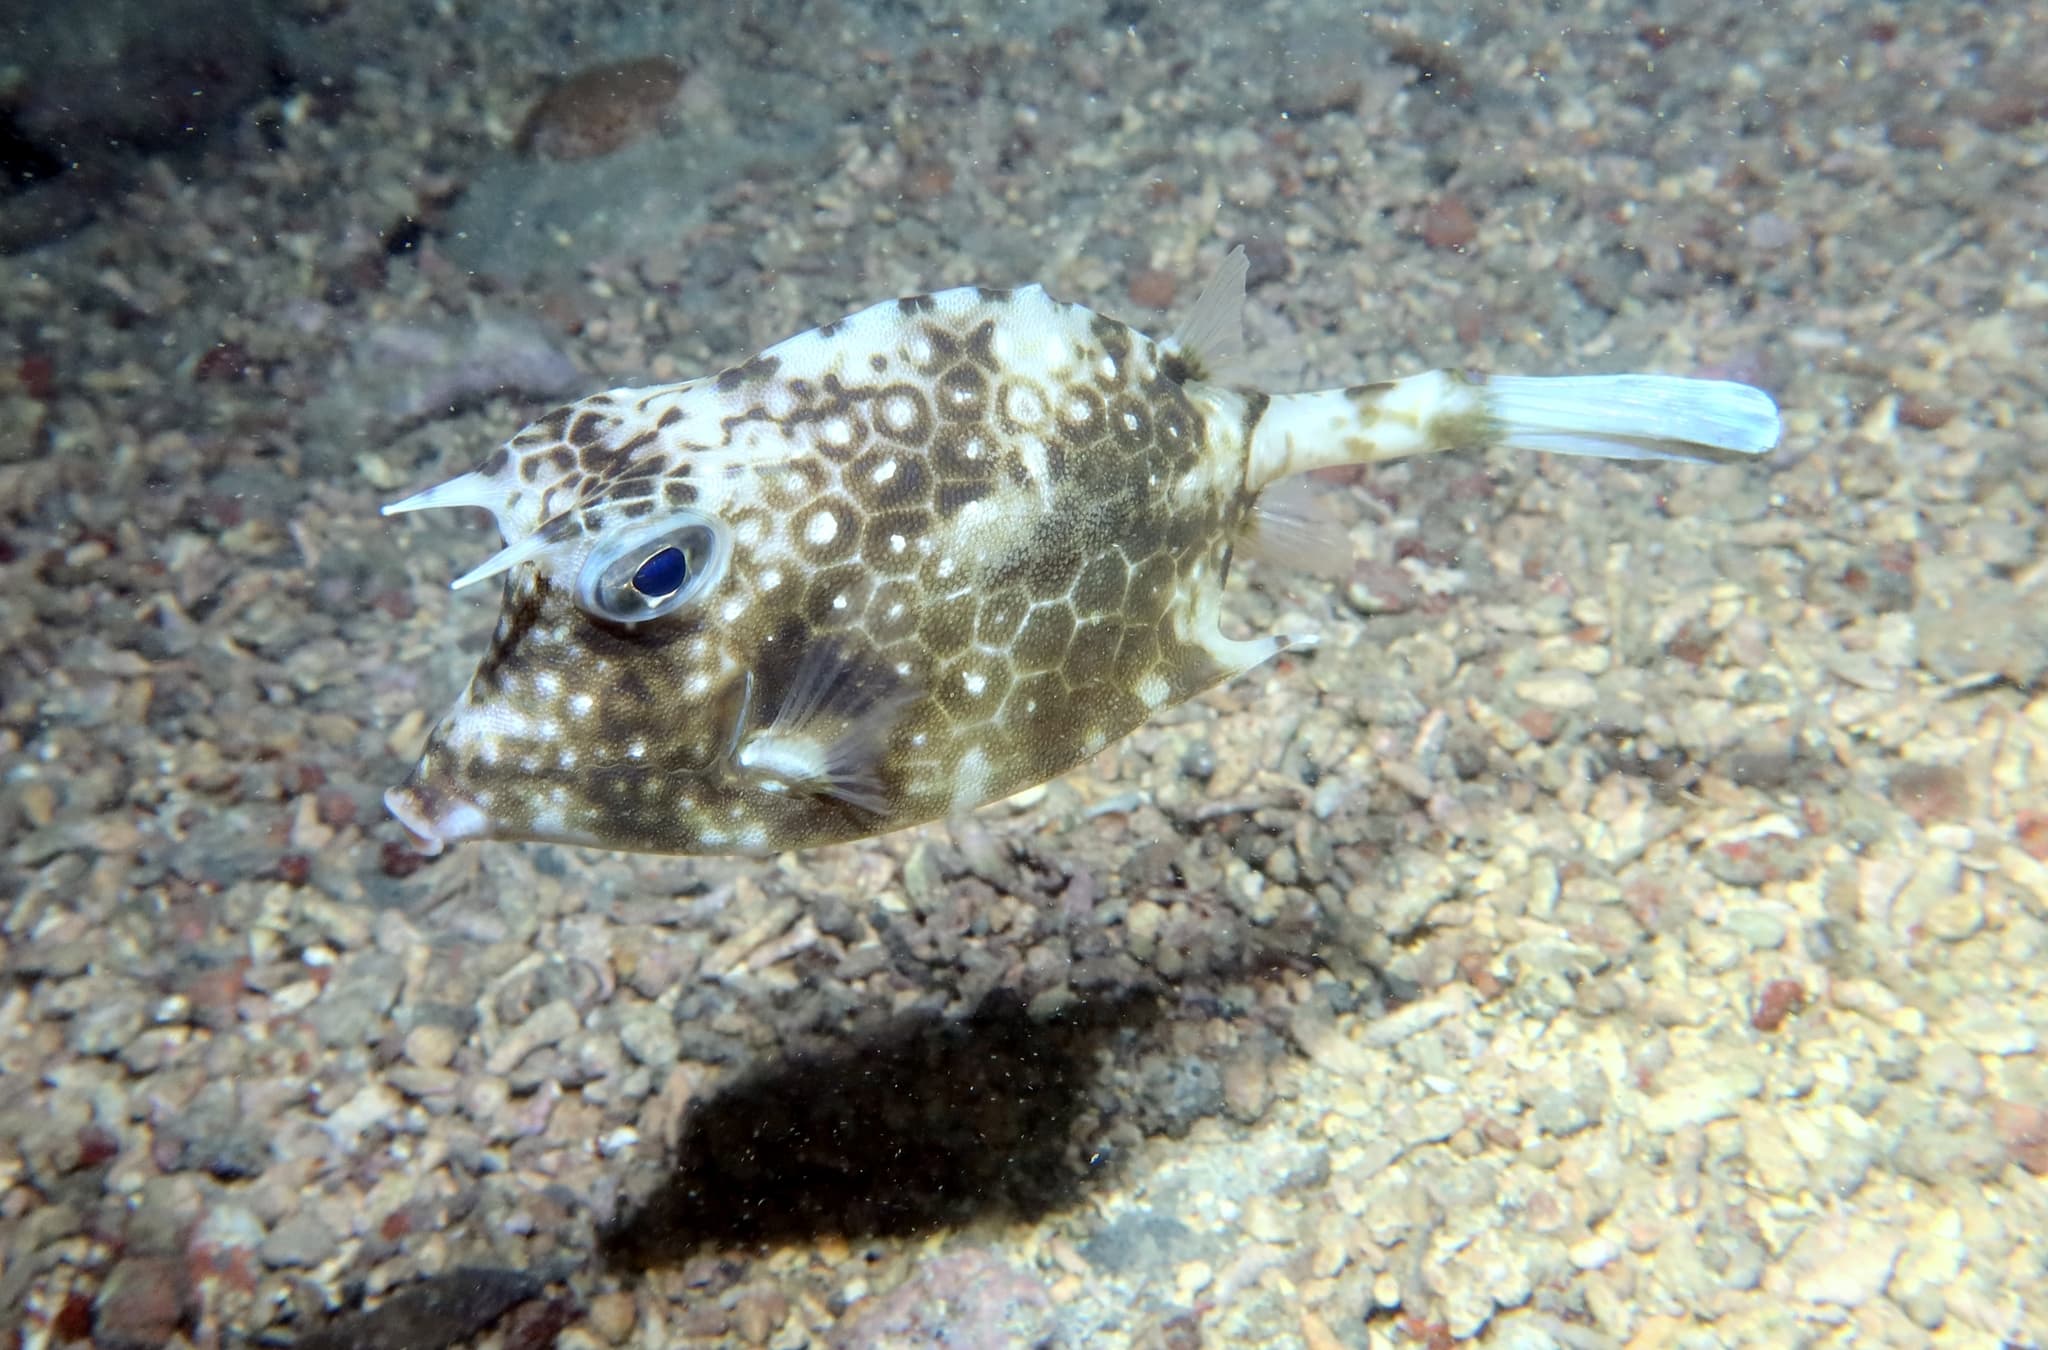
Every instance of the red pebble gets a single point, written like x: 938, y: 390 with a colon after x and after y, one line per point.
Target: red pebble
x: 96, y: 1144
x: 400, y: 860
x: 73, y: 1321
x: 294, y: 869
x: 39, y: 377
x: 1779, y: 1000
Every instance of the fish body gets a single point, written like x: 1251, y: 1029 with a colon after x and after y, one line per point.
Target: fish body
x: 915, y: 561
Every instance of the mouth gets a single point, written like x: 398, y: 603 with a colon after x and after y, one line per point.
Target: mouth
x: 435, y: 818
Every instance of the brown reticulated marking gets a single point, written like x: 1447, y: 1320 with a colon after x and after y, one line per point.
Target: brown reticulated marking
x: 953, y: 494
x: 839, y: 430
x: 757, y: 371
x: 901, y: 413
x: 590, y: 427
x: 963, y: 394
x: 677, y: 492
x: 948, y: 624
x: 971, y: 688
x: 1000, y: 616
x: 826, y: 530
x: 837, y: 597
x: 962, y: 452
x: 916, y: 304
x: 892, y: 613
x: 1081, y: 415
x: 884, y: 479
x: 1101, y: 586
x: 1041, y: 644
x: 1092, y: 653
x: 1137, y: 653
x: 1021, y: 407
x: 786, y: 487
x: 879, y: 546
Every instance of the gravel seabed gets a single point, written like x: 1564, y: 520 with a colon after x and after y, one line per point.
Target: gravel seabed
x: 1629, y: 927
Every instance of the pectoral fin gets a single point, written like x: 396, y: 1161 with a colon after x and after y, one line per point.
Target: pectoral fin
x: 831, y: 731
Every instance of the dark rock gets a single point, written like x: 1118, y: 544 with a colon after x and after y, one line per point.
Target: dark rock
x: 436, y: 1312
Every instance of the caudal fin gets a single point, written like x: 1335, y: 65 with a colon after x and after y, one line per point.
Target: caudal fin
x: 1609, y: 416
x: 1632, y: 416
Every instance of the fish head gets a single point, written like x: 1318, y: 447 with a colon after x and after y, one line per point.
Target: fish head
x: 604, y: 710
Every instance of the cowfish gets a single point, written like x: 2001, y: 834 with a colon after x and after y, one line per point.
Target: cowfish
x: 918, y: 560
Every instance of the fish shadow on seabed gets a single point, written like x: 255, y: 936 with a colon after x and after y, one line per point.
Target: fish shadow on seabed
x: 928, y: 1122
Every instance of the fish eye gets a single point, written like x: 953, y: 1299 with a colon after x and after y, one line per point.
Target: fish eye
x: 663, y: 574
x: 653, y: 568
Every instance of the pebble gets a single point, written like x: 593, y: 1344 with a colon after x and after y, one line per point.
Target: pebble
x: 1558, y: 690
x: 300, y: 1240
x: 549, y: 1024
x: 613, y: 1315
x: 649, y: 1036
x: 1845, y: 1262
x: 106, y: 1027
x: 431, y: 1045
x: 1700, y: 1096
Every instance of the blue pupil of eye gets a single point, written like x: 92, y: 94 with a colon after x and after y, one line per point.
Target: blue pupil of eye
x: 662, y: 575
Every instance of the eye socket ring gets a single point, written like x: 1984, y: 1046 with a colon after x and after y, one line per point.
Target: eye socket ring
x: 654, y: 568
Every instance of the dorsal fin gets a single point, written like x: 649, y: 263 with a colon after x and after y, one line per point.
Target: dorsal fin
x: 1211, y: 338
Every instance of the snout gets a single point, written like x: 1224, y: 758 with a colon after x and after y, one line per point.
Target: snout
x: 436, y: 816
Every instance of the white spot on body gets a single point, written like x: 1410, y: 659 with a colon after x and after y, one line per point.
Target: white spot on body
x: 732, y: 609
x: 822, y: 528
x: 918, y: 350
x: 836, y: 431
x: 637, y: 750
x: 976, y: 682
x: 771, y: 578
x: 885, y: 470
x: 1154, y: 690
x: 899, y: 414
x: 897, y: 543
x: 697, y: 686
x: 971, y: 779
x: 581, y: 704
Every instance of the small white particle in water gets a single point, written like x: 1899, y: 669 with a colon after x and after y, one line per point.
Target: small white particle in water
x: 823, y: 528
x: 974, y: 680
x: 885, y: 471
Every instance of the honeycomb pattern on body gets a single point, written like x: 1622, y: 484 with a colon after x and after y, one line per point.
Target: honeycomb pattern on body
x: 1008, y: 517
